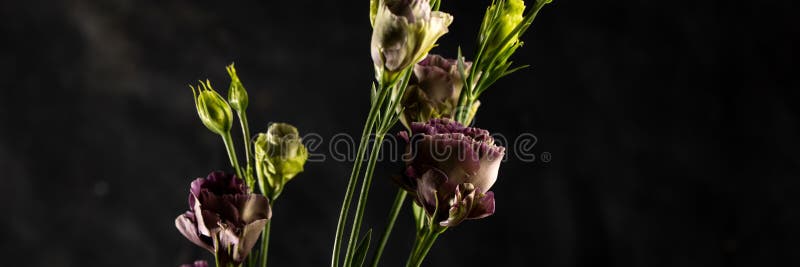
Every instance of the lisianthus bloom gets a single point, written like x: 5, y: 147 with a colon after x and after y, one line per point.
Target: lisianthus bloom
x: 198, y: 263
x: 223, y: 218
x: 434, y: 91
x: 450, y: 169
x: 214, y: 111
x: 280, y: 156
x: 403, y: 33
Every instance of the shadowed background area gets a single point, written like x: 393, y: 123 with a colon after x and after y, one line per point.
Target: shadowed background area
x: 672, y: 127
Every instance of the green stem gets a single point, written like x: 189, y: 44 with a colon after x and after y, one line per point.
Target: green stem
x: 265, y: 244
x: 351, y: 184
x: 426, y: 246
x: 415, y: 248
x: 389, y: 118
x: 362, y: 198
x: 399, y: 199
x: 248, y: 149
x: 226, y: 138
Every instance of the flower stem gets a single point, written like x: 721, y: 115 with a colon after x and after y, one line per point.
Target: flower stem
x: 265, y: 243
x: 399, y: 199
x: 351, y: 183
x: 427, y: 244
x: 248, y: 150
x: 362, y: 203
x: 421, y: 235
x: 389, y: 114
x: 226, y: 138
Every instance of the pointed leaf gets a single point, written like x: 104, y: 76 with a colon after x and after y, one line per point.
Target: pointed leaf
x: 361, y: 249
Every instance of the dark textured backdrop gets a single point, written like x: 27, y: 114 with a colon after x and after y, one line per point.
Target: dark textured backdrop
x: 673, y: 128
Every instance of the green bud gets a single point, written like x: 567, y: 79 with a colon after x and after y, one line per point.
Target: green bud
x: 214, y: 112
x: 237, y: 95
x: 280, y: 156
x: 510, y: 16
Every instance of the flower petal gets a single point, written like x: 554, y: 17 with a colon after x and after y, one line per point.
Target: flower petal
x: 186, y: 225
x: 483, y: 206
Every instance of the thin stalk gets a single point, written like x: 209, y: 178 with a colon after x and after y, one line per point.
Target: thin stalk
x: 265, y: 244
x: 362, y: 203
x: 351, y: 184
x: 388, y: 120
x: 426, y: 246
x: 419, y: 237
x: 399, y: 199
x: 248, y: 149
x: 226, y: 138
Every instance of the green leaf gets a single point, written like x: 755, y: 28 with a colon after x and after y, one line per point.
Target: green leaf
x: 361, y: 249
x: 419, y: 216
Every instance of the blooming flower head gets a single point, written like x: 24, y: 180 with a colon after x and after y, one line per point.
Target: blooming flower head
x: 403, y: 33
x: 280, y: 156
x: 434, y: 91
x: 223, y: 218
x: 450, y: 169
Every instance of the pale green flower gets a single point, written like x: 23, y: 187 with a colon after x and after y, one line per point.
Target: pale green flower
x: 280, y: 156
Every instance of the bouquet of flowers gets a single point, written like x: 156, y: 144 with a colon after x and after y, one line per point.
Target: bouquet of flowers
x: 450, y: 167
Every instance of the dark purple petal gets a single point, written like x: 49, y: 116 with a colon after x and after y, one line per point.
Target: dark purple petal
x: 483, y: 206
x: 427, y: 190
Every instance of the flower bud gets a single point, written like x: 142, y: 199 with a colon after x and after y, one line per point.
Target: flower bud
x: 237, y: 95
x: 403, y: 33
x: 511, y: 15
x: 434, y: 91
x: 214, y: 112
x: 280, y: 155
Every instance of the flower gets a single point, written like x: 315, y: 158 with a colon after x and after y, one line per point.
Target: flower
x: 449, y: 170
x: 214, y: 112
x: 403, y: 33
x: 435, y: 90
x: 237, y: 95
x: 280, y: 155
x: 197, y: 263
x: 223, y: 218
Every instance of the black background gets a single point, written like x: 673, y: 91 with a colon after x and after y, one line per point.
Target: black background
x: 672, y: 126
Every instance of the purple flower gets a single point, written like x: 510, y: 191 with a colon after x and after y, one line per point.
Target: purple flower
x: 223, y: 218
x: 197, y: 263
x: 434, y: 91
x: 450, y: 169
